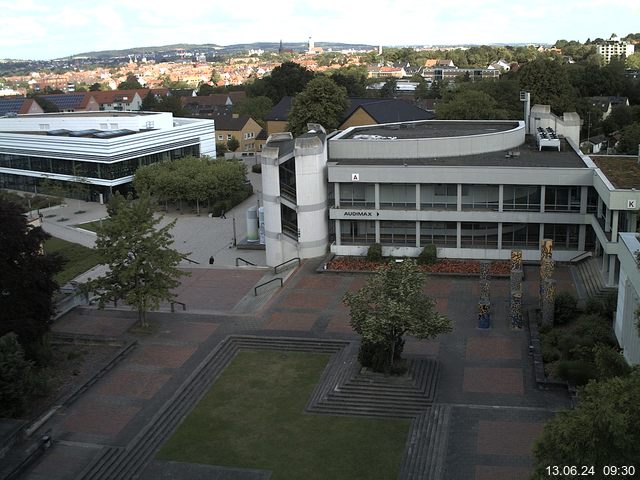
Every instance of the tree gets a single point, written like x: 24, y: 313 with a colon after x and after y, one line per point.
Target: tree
x: 16, y: 374
x: 95, y: 87
x: 392, y: 304
x: 469, y: 105
x: 633, y: 61
x: 602, y: 430
x: 255, y: 107
x: 149, y: 102
x: 389, y: 88
x: 221, y: 149
x: 26, y: 277
x: 287, y: 79
x: 630, y: 140
x: 548, y: 82
x: 353, y: 79
x: 322, y: 101
x: 233, y: 144
x: 142, y: 266
x: 131, y: 83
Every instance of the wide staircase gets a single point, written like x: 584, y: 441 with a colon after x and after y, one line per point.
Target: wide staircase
x: 591, y: 277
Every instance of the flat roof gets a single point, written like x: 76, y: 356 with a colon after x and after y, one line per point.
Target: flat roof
x: 622, y: 171
x: 101, y: 113
x: 526, y: 156
x: 431, y: 129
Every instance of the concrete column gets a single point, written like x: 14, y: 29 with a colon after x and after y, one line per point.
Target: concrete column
x: 458, y: 235
x: 614, y: 225
x: 377, y: 231
x: 582, y: 236
x: 336, y: 194
x: 500, y: 235
x: 543, y: 192
x: 459, y: 197
x: 417, y: 196
x: 607, y: 221
x: 338, y: 232
x: 611, y: 280
x: 605, y: 260
x: 584, y: 192
x: 377, y: 198
x: 541, y: 236
x: 418, y: 234
x: 632, y: 222
x: 500, y: 202
x: 599, y: 207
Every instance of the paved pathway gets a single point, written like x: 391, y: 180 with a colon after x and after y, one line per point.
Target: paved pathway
x: 486, y: 377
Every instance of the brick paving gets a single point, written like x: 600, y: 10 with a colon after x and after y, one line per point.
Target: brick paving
x: 485, y: 376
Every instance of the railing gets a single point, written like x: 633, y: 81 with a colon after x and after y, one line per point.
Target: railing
x: 247, y: 262
x: 191, y: 261
x: 255, y: 290
x: 288, y: 192
x: 581, y: 257
x: 173, y: 309
x: 275, y: 269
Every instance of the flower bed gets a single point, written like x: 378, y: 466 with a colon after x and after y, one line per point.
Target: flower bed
x: 445, y: 265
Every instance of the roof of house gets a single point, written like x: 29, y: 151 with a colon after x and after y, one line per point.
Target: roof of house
x: 16, y: 105
x: 231, y: 123
x: 113, y: 96
x: 216, y: 99
x: 382, y: 110
x: 69, y: 101
x: 604, y: 102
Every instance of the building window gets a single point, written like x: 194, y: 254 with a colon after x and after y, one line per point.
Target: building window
x: 441, y: 234
x: 562, y: 199
x: 520, y: 235
x: 521, y: 198
x: 289, y: 219
x: 398, y: 195
x: 357, y: 232
x: 220, y: 137
x: 287, y: 171
x: 113, y: 126
x: 229, y: 137
x: 104, y: 126
x: 480, y: 197
x: 439, y: 196
x: 398, y: 233
x: 592, y: 200
x: 357, y: 195
x: 565, y: 237
x: 479, y: 235
x: 44, y: 126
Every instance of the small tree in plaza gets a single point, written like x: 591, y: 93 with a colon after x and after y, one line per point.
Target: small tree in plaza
x: 391, y: 304
x: 143, y: 268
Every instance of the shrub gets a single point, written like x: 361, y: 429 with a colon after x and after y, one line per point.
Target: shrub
x: 374, y: 253
x: 257, y: 168
x: 16, y: 377
x: 609, y: 362
x: 429, y: 255
x: 594, y: 327
x: 566, y: 308
x: 576, y: 372
x: 550, y: 353
x: 376, y: 357
x: 604, y: 306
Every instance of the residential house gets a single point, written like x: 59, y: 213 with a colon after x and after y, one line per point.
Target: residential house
x: 74, y: 102
x: 118, y: 100
x: 18, y: 106
x: 212, y: 105
x: 607, y: 104
x: 244, y: 128
x: 439, y: 63
x: 595, y: 144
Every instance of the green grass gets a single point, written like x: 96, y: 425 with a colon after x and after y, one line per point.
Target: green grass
x: 253, y: 417
x: 79, y: 258
x: 91, y: 226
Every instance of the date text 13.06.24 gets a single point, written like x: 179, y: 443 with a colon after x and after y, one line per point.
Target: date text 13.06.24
x: 622, y: 471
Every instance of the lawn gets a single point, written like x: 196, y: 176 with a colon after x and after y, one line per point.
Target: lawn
x: 91, y: 226
x: 79, y: 258
x: 253, y: 417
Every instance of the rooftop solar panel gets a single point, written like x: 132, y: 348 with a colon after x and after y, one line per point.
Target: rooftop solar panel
x: 9, y: 105
x: 67, y: 101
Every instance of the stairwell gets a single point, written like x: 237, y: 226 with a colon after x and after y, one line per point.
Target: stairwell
x: 591, y: 277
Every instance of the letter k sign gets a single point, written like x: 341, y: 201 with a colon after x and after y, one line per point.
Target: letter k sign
x: 355, y: 177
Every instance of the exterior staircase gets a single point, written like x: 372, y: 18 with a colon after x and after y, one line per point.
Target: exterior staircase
x: 591, y: 277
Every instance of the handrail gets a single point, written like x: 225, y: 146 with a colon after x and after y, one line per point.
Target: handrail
x: 245, y: 261
x: 189, y: 260
x: 275, y: 269
x: 581, y: 256
x: 255, y: 290
x: 173, y: 302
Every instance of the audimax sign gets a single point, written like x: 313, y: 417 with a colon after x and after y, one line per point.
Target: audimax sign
x: 360, y: 213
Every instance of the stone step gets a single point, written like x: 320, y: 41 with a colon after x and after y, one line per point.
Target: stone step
x: 350, y: 388
x: 365, y: 411
x: 391, y: 402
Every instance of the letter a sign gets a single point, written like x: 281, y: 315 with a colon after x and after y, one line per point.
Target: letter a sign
x: 355, y: 177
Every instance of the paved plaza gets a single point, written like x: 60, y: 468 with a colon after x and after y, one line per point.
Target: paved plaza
x: 485, y: 380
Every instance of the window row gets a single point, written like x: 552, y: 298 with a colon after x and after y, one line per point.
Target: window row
x: 474, y: 197
x: 445, y: 234
x: 106, y: 171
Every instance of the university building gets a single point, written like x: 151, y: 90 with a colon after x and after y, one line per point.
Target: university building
x: 100, y: 149
x: 475, y: 189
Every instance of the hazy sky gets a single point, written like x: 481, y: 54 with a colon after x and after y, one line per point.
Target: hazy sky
x: 39, y: 29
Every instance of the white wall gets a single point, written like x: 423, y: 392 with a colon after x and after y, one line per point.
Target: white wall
x: 625, y: 325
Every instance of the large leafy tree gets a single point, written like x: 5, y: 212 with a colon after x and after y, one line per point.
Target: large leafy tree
x: 287, y: 79
x: 16, y: 377
x: 602, y: 430
x: 470, y: 105
x: 322, y: 101
x: 26, y: 276
x: 630, y: 140
x: 255, y: 107
x: 142, y: 265
x: 131, y: 83
x: 392, y: 304
x: 548, y: 82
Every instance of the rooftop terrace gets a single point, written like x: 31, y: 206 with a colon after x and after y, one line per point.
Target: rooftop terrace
x: 622, y: 171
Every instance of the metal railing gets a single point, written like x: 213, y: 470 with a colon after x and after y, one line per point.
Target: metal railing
x: 191, y: 261
x: 275, y: 269
x: 581, y: 257
x: 173, y: 309
x: 255, y: 290
x: 247, y: 262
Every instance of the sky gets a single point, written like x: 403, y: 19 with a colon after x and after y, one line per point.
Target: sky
x: 39, y: 29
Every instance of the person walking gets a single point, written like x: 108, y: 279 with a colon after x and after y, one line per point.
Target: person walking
x: 222, y: 215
